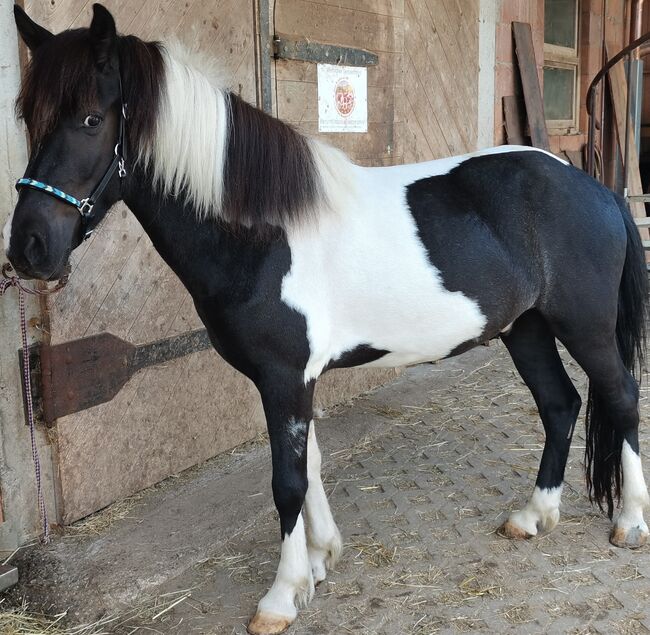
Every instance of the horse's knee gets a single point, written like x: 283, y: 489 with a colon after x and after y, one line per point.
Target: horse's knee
x: 289, y: 495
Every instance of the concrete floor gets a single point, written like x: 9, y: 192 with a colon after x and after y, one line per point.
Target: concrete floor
x: 420, y: 474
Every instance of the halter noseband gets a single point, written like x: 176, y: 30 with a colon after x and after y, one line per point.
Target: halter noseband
x: 85, y: 205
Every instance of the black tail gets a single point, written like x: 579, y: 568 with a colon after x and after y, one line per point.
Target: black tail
x: 604, y: 439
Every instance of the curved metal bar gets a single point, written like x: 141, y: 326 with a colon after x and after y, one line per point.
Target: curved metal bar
x: 615, y: 60
x: 591, y: 94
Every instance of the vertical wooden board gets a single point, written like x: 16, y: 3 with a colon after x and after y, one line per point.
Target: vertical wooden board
x: 445, y: 69
x: 530, y: 83
x: 514, y: 120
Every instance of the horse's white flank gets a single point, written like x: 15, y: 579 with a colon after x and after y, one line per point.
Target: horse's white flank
x: 635, y: 493
x: 541, y: 512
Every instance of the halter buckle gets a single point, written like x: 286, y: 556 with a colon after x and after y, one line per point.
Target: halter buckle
x: 86, y: 207
x: 121, y: 168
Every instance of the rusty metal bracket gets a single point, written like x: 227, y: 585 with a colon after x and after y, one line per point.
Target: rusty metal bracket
x: 70, y: 377
x: 305, y: 50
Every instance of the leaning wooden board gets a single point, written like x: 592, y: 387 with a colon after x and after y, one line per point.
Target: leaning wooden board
x: 530, y: 83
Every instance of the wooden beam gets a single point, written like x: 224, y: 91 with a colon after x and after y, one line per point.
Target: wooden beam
x: 530, y: 83
x: 514, y: 120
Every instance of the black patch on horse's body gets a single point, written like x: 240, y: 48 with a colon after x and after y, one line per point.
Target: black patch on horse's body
x: 358, y: 356
x: 270, y: 177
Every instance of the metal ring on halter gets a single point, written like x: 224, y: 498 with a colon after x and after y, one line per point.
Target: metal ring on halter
x: 86, y: 207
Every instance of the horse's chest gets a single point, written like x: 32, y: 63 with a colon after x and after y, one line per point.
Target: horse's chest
x: 370, y: 283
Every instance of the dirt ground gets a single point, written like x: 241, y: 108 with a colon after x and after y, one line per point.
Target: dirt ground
x: 420, y: 474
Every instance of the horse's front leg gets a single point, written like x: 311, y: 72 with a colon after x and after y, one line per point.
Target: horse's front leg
x: 288, y: 408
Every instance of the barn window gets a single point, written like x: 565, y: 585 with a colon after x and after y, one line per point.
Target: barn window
x: 561, y: 64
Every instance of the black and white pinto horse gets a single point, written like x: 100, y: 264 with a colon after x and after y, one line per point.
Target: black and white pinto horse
x: 299, y: 261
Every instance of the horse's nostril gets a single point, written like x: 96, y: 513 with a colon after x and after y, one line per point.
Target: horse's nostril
x: 35, y: 250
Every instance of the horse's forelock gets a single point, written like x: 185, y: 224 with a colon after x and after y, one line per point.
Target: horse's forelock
x: 59, y: 80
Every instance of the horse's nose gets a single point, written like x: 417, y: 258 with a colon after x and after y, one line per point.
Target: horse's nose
x: 35, y: 252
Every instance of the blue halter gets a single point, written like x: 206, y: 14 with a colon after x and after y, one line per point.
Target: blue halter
x: 85, y: 205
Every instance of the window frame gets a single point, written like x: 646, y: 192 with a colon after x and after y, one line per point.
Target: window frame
x: 568, y: 58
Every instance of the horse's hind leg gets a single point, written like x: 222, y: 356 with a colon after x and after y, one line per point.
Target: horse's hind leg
x: 532, y: 347
x: 613, y: 461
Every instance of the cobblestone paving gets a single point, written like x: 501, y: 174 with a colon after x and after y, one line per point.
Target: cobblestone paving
x: 418, y: 506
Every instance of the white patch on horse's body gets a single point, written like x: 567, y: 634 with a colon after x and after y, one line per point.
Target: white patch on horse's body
x: 541, y: 512
x: 362, y: 276
x: 323, y: 537
x: 188, y: 151
x: 635, y: 493
x: 293, y: 586
x: 6, y: 231
x: 297, y: 433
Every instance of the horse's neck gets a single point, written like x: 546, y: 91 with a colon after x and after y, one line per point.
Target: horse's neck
x: 206, y: 255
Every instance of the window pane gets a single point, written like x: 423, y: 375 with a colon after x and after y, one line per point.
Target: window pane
x: 559, y: 100
x: 560, y: 22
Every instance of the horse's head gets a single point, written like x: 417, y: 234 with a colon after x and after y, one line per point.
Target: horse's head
x: 71, y: 101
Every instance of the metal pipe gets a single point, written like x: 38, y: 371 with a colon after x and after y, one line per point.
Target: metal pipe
x: 626, y: 149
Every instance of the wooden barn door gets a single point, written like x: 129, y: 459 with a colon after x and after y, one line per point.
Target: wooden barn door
x: 173, y: 415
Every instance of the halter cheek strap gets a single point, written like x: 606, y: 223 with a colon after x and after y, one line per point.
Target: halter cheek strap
x: 85, y: 205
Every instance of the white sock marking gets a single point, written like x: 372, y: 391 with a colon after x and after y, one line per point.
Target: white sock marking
x: 635, y: 493
x: 542, y: 510
x: 293, y: 585
x: 323, y: 537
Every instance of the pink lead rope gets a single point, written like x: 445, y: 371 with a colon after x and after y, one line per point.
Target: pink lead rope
x: 6, y: 282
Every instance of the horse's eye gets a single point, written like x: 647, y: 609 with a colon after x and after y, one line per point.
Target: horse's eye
x: 92, y: 121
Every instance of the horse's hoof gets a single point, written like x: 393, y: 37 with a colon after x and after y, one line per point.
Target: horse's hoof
x: 268, y: 624
x: 632, y: 538
x: 510, y: 530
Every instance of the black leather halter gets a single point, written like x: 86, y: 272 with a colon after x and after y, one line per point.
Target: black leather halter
x: 86, y: 205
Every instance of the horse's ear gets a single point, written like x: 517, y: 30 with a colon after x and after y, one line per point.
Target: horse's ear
x: 32, y: 34
x: 103, y: 34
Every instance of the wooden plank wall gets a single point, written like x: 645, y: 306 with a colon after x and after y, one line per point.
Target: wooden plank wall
x: 376, y: 25
x: 423, y: 94
x: 440, y: 95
